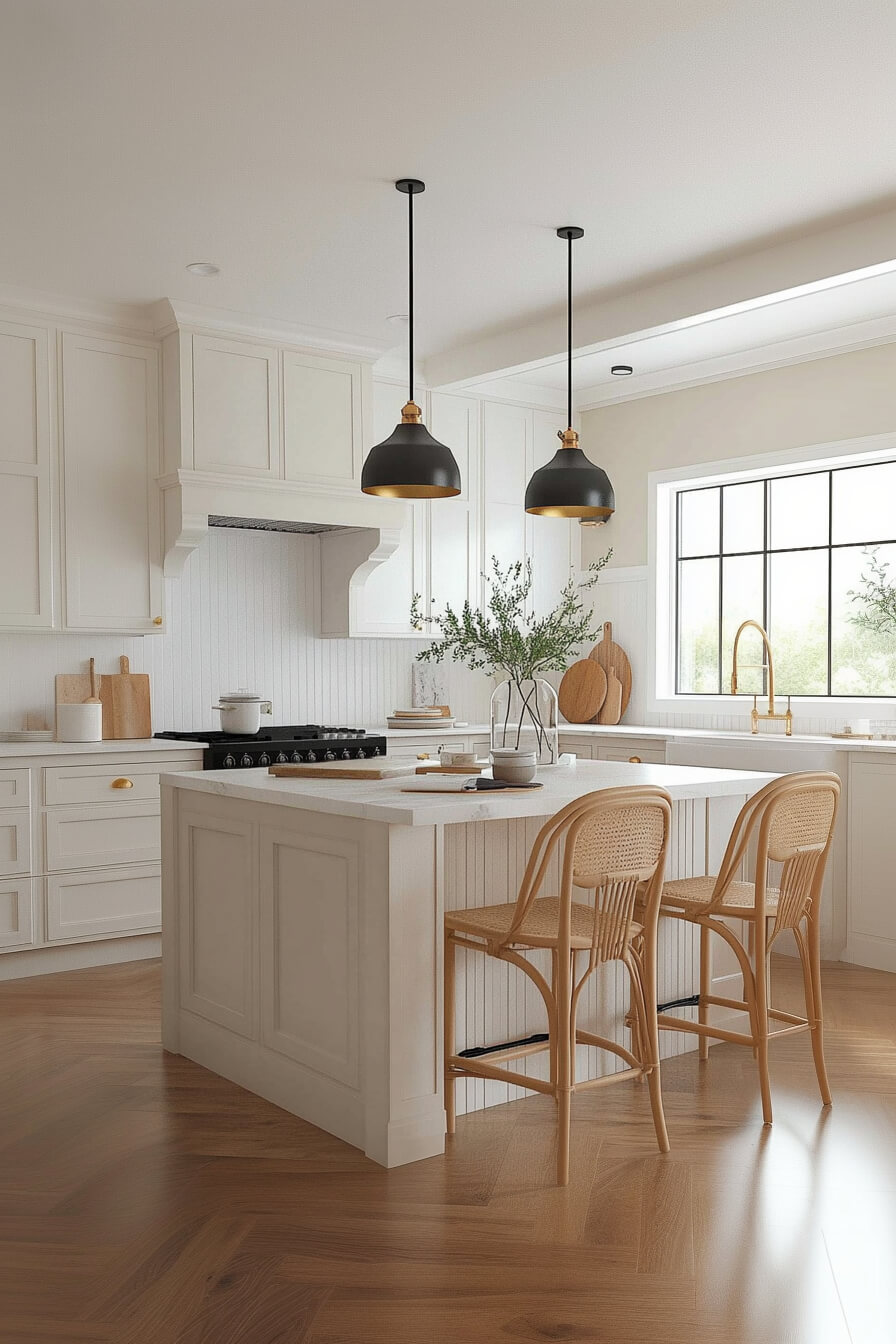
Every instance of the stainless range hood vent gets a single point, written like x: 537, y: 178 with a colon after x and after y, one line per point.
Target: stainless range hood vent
x: 274, y: 524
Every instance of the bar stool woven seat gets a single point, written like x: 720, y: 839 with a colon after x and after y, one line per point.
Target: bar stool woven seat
x: 699, y: 891
x: 541, y: 926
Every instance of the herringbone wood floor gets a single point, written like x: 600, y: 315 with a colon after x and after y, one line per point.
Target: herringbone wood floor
x: 146, y: 1201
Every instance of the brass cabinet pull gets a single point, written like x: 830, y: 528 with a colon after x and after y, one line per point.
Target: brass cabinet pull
x: 157, y: 620
x: 635, y: 760
x: 122, y: 784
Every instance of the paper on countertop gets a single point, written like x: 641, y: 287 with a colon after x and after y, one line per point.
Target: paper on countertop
x: 439, y: 784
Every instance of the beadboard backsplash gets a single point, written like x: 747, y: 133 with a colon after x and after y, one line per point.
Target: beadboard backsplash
x: 245, y: 613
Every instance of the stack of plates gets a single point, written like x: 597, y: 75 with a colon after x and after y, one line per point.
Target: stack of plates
x: 28, y: 735
x: 419, y: 718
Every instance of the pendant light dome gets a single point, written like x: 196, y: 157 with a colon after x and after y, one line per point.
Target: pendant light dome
x: 570, y: 485
x: 411, y: 464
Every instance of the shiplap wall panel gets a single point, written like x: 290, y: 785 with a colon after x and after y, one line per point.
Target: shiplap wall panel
x: 245, y: 613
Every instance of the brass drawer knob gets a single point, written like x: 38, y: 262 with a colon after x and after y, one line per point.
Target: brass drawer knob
x: 122, y: 784
x: 635, y: 760
x: 157, y: 620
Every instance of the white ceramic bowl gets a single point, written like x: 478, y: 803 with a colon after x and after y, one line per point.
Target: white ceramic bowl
x: 514, y: 767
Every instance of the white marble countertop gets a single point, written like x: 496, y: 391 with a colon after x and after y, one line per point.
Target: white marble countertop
x: 661, y: 734
x: 382, y: 799
x: 119, y: 747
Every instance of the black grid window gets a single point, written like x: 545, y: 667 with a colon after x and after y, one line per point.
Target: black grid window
x: 789, y: 552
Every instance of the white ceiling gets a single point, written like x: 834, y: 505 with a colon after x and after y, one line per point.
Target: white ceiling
x: 264, y: 135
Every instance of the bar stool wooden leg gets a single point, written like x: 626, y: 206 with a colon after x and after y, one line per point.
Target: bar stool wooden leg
x: 761, y: 1018
x: 705, y: 978
x: 450, y: 1079
x: 652, y: 1035
x: 813, y: 956
x: 564, y: 1066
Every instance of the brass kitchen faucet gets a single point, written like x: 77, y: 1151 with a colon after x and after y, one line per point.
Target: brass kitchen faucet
x: 755, y: 716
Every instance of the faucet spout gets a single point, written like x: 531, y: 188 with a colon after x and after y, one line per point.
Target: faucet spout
x: 768, y: 666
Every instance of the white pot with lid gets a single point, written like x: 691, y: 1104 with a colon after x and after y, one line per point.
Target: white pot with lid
x: 241, y: 712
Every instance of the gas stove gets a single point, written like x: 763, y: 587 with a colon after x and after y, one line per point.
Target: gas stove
x: 302, y: 743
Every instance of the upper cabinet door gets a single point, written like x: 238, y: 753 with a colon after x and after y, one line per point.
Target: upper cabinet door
x: 236, y: 407
x: 26, y: 550
x: 110, y: 459
x: 323, y: 403
x: 453, y: 553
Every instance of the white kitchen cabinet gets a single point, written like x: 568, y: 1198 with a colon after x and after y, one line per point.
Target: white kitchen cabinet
x: 15, y: 842
x: 16, y: 912
x: 871, y: 883
x: 26, y: 545
x: 115, y: 900
x: 236, y: 407
x: 506, y: 453
x: 323, y: 419
x: 109, y: 434
x: 453, y: 562
x: 554, y: 545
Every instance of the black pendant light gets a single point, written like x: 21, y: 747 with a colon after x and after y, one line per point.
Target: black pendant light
x: 411, y: 464
x: 570, y: 485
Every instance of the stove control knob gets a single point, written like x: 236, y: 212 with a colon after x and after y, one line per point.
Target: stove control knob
x: 346, y: 754
x: 296, y: 757
x: 361, y: 754
x: 311, y: 757
x: 229, y: 761
x: 377, y: 752
x: 264, y: 759
x: 245, y: 759
x: 281, y: 758
x: 329, y: 755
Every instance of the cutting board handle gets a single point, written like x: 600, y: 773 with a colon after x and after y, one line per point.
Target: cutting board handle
x: 608, y: 631
x: 124, y: 663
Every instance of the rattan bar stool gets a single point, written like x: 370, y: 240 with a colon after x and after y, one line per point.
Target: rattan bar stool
x: 790, y: 822
x: 614, y: 842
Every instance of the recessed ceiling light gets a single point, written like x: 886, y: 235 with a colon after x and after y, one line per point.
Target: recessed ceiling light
x: 203, y: 268
x: 398, y: 319
x: 622, y: 370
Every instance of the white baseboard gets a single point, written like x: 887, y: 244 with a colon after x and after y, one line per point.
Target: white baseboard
x: 78, y: 956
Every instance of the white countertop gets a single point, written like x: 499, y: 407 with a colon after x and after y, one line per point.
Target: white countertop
x: 661, y: 734
x: 382, y: 800
x: 119, y: 747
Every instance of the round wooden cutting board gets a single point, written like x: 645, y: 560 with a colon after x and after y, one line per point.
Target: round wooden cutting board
x: 582, y: 691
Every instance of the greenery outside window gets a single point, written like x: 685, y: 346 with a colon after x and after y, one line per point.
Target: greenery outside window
x: 793, y: 552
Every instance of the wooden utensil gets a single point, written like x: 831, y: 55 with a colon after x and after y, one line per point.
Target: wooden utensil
x: 93, y: 698
x: 582, y: 691
x: 611, y: 709
x: 614, y: 659
x: 126, y: 703
x: 376, y: 769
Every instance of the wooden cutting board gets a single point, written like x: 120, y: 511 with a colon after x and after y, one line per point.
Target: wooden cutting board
x: 376, y: 769
x: 436, y: 769
x: 582, y: 691
x: 127, y: 711
x: 613, y: 659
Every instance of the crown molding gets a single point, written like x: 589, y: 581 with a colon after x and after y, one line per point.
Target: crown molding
x: 134, y: 319
x: 168, y: 315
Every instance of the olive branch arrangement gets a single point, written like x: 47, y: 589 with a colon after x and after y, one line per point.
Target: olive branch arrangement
x: 878, y: 597
x: 505, y: 635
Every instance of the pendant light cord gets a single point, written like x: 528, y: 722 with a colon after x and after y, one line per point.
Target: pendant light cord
x: 569, y: 333
x: 411, y: 295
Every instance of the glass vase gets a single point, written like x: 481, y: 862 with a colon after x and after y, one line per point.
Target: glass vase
x: 524, y: 716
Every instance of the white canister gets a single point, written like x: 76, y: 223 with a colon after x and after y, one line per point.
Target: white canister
x: 79, y: 723
x: 241, y: 712
x: 514, y: 767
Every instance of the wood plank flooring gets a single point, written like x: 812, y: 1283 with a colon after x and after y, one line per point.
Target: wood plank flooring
x: 146, y: 1201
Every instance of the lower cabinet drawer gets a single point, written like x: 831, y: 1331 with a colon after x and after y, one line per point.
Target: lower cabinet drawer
x: 15, y: 842
x: 15, y: 788
x: 98, y: 837
x: 17, y: 896
x: 636, y: 754
x: 120, y: 784
x: 118, y: 900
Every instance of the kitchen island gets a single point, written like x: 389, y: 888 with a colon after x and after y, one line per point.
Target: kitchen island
x: 302, y: 935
